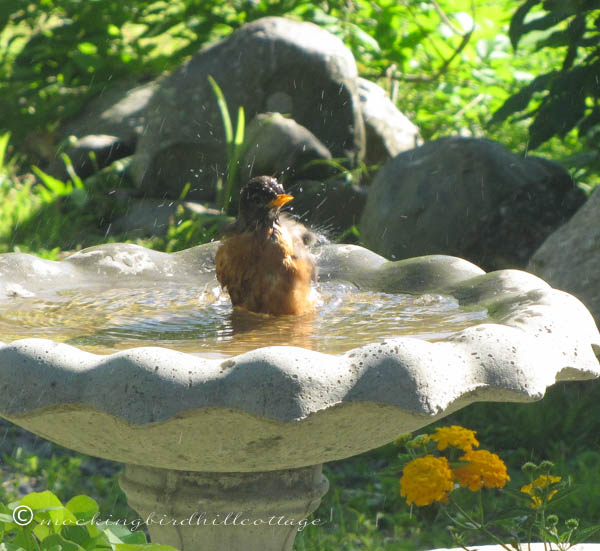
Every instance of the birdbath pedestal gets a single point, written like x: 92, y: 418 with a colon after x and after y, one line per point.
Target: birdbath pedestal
x: 226, y: 453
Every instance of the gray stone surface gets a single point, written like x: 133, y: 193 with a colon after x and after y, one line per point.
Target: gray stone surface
x: 282, y: 147
x: 120, y: 112
x: 389, y: 132
x: 285, y: 407
x: 328, y: 207
x: 147, y: 217
x: 570, y: 258
x: 467, y: 197
x: 105, y: 150
x: 273, y: 64
x: 109, y: 126
x: 252, y: 504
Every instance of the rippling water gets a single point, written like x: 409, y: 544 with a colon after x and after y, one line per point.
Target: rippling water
x: 201, y: 319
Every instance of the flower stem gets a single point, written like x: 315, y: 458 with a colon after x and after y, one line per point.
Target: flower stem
x: 480, y: 526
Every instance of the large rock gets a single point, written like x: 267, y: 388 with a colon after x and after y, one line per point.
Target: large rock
x: 119, y: 111
x: 470, y: 198
x: 272, y: 64
x: 388, y: 131
x: 108, y: 128
x: 280, y: 146
x: 328, y: 208
x: 570, y: 258
x: 91, y: 154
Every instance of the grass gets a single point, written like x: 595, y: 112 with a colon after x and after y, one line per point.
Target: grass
x: 45, y: 216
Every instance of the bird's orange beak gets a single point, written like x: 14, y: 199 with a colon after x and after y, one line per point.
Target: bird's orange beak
x: 280, y: 200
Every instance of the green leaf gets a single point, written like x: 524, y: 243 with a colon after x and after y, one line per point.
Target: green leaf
x: 555, y: 118
x: 56, y: 541
x: 77, y: 182
x: 521, y: 99
x: 185, y: 191
x: 47, y: 507
x: 241, y: 126
x: 83, y: 507
x: 144, y: 547
x: 222, y: 104
x: 78, y: 535
x: 575, y: 31
x: 56, y: 186
x: 544, y: 22
x: 590, y: 121
x: 584, y: 535
x: 87, y: 48
x: 134, y: 538
x: 4, y: 139
x: 516, y: 23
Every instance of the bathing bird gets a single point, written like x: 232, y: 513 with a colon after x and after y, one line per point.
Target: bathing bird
x: 263, y: 261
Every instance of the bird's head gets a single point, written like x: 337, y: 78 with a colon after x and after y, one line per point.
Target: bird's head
x: 261, y: 200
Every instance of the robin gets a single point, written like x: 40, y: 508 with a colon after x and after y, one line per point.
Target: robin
x: 263, y: 262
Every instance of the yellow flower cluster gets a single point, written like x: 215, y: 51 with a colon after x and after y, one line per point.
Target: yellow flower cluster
x: 426, y: 479
x: 542, y: 481
x: 430, y: 478
x: 455, y: 436
x: 484, y: 469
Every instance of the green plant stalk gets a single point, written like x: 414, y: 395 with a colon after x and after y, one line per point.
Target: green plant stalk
x: 234, y: 157
x: 478, y: 524
x: 4, y: 138
x: 233, y: 143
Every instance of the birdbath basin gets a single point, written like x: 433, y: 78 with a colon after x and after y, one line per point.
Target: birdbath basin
x: 224, y: 436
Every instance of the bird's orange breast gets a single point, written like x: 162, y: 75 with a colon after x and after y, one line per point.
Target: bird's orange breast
x: 262, y: 274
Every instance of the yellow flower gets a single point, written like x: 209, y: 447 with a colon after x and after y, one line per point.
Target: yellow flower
x: 458, y: 437
x: 484, y: 469
x: 542, y: 481
x: 425, y: 480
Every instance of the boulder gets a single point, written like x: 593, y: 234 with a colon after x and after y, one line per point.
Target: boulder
x: 92, y: 153
x: 270, y: 65
x: 329, y: 208
x: 109, y: 127
x: 280, y: 146
x: 467, y: 197
x: 388, y: 131
x: 152, y: 217
x: 569, y: 259
x: 120, y: 112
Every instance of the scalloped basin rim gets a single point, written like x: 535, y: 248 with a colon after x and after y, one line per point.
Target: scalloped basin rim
x: 285, y: 407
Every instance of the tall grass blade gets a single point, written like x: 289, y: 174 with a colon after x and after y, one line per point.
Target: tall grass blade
x: 56, y: 186
x: 3, y: 147
x: 234, y: 158
x: 240, y: 127
x: 222, y: 104
x: 77, y: 181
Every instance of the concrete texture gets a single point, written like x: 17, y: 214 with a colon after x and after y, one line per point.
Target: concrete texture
x: 285, y: 407
x: 230, y: 511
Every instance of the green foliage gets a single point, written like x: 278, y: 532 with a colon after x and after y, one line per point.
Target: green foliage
x: 567, y: 96
x: 46, y: 214
x: 188, y: 229
x: 39, y: 521
x: 56, y: 54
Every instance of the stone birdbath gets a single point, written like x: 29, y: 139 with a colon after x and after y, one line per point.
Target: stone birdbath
x: 223, y: 443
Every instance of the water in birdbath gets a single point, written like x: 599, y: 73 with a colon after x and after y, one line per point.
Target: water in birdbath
x: 201, y: 320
